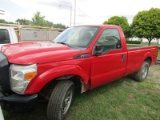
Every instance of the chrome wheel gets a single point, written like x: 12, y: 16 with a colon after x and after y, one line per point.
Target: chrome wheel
x: 144, y: 72
x: 67, y: 101
x: 60, y: 100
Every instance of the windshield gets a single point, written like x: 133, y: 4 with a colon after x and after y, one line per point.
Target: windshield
x: 80, y: 36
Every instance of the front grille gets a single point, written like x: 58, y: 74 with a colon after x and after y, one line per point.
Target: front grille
x: 4, y: 72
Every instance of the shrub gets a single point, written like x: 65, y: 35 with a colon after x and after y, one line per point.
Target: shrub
x: 133, y: 42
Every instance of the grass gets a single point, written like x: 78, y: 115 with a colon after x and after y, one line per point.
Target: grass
x: 146, y: 44
x: 123, y: 99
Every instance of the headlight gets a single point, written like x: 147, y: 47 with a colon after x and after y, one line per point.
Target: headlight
x: 20, y: 76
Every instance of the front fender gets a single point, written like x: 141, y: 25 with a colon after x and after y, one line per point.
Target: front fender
x: 40, y: 81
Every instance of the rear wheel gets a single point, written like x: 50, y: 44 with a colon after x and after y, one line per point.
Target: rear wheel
x: 142, y: 73
x: 60, y: 100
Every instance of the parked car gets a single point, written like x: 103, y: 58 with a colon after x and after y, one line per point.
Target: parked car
x: 7, y: 35
x: 80, y: 58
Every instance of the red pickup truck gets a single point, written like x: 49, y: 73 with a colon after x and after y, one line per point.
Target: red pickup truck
x: 80, y: 58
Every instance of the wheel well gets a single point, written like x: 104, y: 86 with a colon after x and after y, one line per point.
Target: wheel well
x: 48, y: 88
x: 149, y: 60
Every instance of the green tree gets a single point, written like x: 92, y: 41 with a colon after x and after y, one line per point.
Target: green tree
x: 59, y: 25
x: 23, y: 21
x: 121, y: 21
x: 146, y: 24
x: 49, y: 23
x: 38, y: 19
x: 2, y: 21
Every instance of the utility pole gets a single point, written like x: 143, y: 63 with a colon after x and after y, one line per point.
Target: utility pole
x: 74, y: 12
x: 70, y: 16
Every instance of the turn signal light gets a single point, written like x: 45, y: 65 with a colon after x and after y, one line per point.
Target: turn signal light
x: 30, y: 75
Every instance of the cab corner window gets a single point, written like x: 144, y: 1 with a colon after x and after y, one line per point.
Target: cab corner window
x: 109, y: 40
x: 4, y: 36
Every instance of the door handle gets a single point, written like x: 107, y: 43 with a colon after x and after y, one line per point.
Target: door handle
x: 123, y: 57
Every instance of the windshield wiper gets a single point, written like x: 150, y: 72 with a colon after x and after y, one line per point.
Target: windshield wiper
x: 63, y: 43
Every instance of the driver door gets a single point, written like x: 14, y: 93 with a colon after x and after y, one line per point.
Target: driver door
x: 109, y: 60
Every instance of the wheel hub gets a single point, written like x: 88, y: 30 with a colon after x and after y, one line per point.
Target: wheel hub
x: 144, y: 72
x: 67, y: 101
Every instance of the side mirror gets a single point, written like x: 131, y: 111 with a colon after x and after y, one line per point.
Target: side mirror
x: 98, y: 47
x: 98, y: 50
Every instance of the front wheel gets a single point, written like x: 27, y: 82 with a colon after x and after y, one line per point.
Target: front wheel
x: 60, y: 100
x: 142, y: 73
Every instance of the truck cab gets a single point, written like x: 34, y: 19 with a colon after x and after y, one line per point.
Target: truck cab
x: 7, y: 35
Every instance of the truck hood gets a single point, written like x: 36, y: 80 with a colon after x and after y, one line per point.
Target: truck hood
x: 37, y: 52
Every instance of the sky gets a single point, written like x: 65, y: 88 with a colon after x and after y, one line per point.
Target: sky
x: 87, y: 11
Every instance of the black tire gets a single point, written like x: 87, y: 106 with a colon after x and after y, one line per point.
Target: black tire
x: 142, y: 73
x: 60, y: 100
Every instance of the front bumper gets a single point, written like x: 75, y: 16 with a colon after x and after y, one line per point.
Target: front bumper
x: 18, y: 103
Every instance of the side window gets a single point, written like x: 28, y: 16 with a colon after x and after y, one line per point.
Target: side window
x: 4, y: 36
x: 109, y: 40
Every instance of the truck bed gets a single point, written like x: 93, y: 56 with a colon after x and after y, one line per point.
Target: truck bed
x: 136, y: 56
